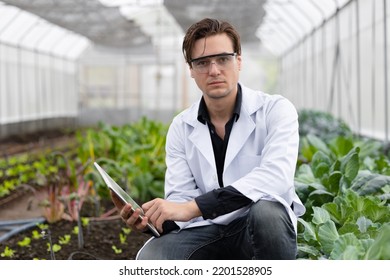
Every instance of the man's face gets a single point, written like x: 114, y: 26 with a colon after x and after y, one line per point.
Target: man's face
x: 220, y: 78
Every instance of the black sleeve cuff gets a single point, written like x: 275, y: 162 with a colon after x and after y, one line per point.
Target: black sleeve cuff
x: 221, y: 201
x: 208, y: 205
x: 169, y: 226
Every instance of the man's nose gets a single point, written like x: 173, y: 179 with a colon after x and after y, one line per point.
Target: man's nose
x: 213, y: 68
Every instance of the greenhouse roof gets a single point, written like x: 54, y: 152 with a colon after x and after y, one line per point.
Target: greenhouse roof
x: 70, y: 26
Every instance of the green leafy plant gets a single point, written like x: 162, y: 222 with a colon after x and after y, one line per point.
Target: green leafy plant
x: 85, y: 221
x: 36, y: 235
x: 53, y: 247
x: 63, y: 240
x: 347, y: 228
x: 343, y: 183
x: 25, y: 242
x: 123, y: 235
x: 116, y: 250
x: 380, y: 248
x: 8, y: 253
x: 76, y: 230
x: 74, y: 188
x: 25, y: 169
x: 43, y: 227
x: 321, y: 124
x: 133, y: 154
x: 66, y: 195
x: 53, y: 208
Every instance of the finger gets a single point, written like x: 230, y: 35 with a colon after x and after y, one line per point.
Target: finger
x: 157, y: 218
x: 146, y: 206
x: 136, y: 221
x: 126, y: 212
x: 159, y: 222
x: 142, y: 224
x: 117, y: 201
x: 153, y: 208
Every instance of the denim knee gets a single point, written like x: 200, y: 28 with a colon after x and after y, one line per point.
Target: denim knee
x: 271, y: 231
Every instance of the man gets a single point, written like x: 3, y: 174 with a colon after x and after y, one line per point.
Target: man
x: 231, y: 157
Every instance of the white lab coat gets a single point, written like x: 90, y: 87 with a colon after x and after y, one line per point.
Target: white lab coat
x: 260, y: 159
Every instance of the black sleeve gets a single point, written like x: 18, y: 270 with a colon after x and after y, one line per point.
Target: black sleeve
x: 221, y: 201
x: 169, y: 226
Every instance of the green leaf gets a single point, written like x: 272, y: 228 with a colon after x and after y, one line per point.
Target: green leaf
x: 375, y: 211
x: 306, y: 151
x: 304, y: 174
x: 336, y: 166
x: 334, y: 182
x: 25, y: 242
x: 363, y: 224
x: 380, y: 248
x: 8, y: 253
x: 318, y: 144
x: 367, y: 183
x: 320, y: 216
x: 349, y: 227
x: 327, y: 235
x: 320, y: 164
x: 320, y: 170
x: 321, y: 196
x: 341, y: 145
x: 304, y: 250
x: 309, y: 230
x: 350, y: 164
x: 369, y: 147
x: 333, y: 211
x: 347, y: 246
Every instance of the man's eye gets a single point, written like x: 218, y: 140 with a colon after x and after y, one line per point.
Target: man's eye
x: 223, y: 59
x: 201, y: 63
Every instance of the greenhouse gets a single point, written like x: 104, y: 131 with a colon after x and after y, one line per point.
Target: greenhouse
x: 105, y: 82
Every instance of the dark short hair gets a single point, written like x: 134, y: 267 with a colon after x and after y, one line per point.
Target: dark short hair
x: 208, y: 27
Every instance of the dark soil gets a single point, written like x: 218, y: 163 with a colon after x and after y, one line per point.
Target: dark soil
x: 98, y: 239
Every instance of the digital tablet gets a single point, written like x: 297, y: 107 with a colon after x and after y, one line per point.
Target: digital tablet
x: 124, y: 196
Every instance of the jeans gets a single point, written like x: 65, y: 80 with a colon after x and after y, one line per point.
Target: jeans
x: 266, y: 232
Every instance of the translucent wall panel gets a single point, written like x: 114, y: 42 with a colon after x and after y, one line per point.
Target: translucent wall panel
x: 158, y: 91
x: 341, y: 68
x: 11, y: 95
x: 37, y: 68
x: 99, y: 85
x: 35, y: 86
x: 144, y: 89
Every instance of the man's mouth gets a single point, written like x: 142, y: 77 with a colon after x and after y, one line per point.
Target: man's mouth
x: 212, y: 83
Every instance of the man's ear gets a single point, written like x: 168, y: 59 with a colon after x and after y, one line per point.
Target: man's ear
x: 191, y: 72
x: 239, y: 60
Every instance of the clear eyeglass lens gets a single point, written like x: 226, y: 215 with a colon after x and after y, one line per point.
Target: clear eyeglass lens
x: 222, y: 61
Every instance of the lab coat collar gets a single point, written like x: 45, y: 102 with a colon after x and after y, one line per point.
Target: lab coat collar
x: 251, y: 102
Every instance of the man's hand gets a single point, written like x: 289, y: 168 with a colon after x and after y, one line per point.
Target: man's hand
x: 130, y: 217
x: 159, y: 210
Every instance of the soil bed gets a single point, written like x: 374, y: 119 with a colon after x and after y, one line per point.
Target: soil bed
x: 100, y: 240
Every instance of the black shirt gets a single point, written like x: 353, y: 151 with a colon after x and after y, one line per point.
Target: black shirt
x: 225, y: 199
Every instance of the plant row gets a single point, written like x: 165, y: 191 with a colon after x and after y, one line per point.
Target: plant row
x: 343, y: 180
x: 344, y: 183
